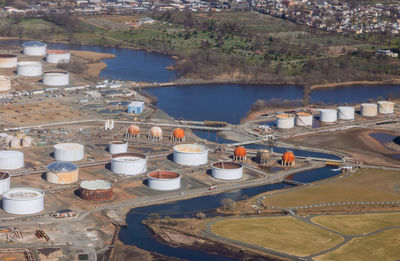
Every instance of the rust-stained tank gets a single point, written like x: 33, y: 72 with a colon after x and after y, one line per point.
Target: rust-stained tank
x: 8, y: 60
x: 95, y: 190
x: 263, y: 157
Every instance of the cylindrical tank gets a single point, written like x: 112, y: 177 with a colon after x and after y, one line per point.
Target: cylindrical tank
x: 190, y: 154
x: 164, y: 180
x: 10, y: 159
x: 15, y: 143
x: 263, y: 156
x: 4, y: 182
x: 29, y: 68
x: 23, y: 201
x: 116, y: 147
x: 284, y: 121
x: 62, y: 172
x: 8, y: 60
x: 8, y: 139
x: 56, y: 78
x: 95, y: 190
x: 34, y: 48
x: 385, y: 107
x: 369, y: 109
x: 327, y: 115
x: 26, y: 141
x: 128, y: 163
x: 304, y: 118
x: 5, y: 84
x: 68, y: 152
x: 58, y: 56
x: 345, y: 113
x: 226, y: 170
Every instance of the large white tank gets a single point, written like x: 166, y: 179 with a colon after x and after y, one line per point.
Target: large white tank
x: 62, y: 172
x: 15, y: 143
x: 385, y: 107
x: 4, y: 182
x: 23, y: 201
x: 226, y: 170
x: 26, y: 141
x: 69, y: 152
x: 190, y: 154
x: 34, y: 48
x: 5, y: 84
x: 56, y: 78
x: 8, y: 60
x: 58, y: 56
x: 10, y: 159
x: 327, y: 115
x: 369, y: 109
x: 164, y: 180
x: 29, y: 68
x: 304, y: 118
x: 345, y: 113
x: 116, y: 147
x: 284, y: 121
x: 128, y: 163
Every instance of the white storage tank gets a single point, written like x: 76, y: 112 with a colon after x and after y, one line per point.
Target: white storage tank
x: 5, y: 84
x: 23, y: 201
x: 385, y: 107
x: 327, y: 115
x: 128, y: 163
x: 10, y: 159
x: 226, y: 170
x: 62, y: 172
x: 56, y: 78
x: 284, y: 121
x: 345, y: 113
x: 164, y: 180
x: 34, y: 48
x: 4, y: 182
x: 8, y: 60
x: 68, y: 152
x: 304, y: 118
x: 29, y: 68
x: 369, y: 109
x: 58, y: 56
x: 116, y: 147
x: 190, y: 154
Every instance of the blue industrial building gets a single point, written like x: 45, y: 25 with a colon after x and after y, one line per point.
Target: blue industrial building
x: 136, y: 107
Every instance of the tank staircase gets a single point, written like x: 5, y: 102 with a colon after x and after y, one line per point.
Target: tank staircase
x: 293, y: 182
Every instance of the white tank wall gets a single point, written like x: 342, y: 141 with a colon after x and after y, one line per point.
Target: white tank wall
x: 56, y: 79
x: 164, y: 184
x: 29, y: 68
x: 8, y: 62
x: 23, y: 206
x: 385, y: 107
x: 69, y: 152
x: 115, y: 148
x: 226, y: 174
x: 369, y: 109
x: 285, y: 123
x: 10, y: 159
x: 304, y: 120
x: 5, y: 84
x: 345, y: 113
x: 4, y: 184
x: 58, y: 57
x: 35, y: 50
x: 328, y: 115
x: 190, y: 158
x: 135, y: 167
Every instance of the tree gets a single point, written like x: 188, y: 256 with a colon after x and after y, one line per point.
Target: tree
x: 152, y: 218
x: 200, y: 215
x: 228, y: 204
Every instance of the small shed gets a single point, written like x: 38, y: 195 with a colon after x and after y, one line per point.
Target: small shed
x: 136, y: 107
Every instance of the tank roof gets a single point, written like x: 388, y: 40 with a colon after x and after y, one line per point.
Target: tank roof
x: 95, y: 184
x: 190, y: 148
x: 5, y: 154
x: 68, y: 146
x: 23, y: 194
x: 57, y: 51
x: 62, y: 166
x: 33, y: 43
x: 163, y: 174
x: 227, y: 165
x: 7, y: 55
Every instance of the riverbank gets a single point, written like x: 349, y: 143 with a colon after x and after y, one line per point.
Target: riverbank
x: 93, y: 60
x: 392, y: 81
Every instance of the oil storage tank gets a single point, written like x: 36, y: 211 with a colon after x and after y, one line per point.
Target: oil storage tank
x: 62, y: 172
x: 128, y: 163
x: 5, y: 84
x: 4, y: 182
x: 8, y: 60
x: 58, y: 56
x: 284, y: 121
x: 190, y: 154
x: 369, y: 109
x: 345, y: 113
x: 385, y: 107
x: 10, y: 159
x: 29, y: 68
x: 164, y: 180
x: 327, y: 115
x: 304, y: 119
x: 56, y: 78
x: 34, y: 48
x: 68, y: 152
x: 226, y: 170
x: 23, y: 201
x: 116, y: 147
x: 95, y: 190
